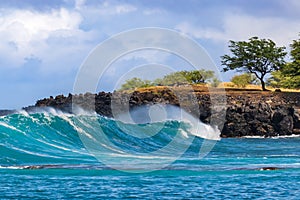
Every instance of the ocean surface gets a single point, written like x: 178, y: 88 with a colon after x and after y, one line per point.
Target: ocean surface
x: 52, y: 155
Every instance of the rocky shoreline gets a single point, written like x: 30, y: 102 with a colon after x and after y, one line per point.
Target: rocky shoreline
x: 248, y: 113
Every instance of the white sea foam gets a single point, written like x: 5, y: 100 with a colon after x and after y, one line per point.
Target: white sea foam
x: 273, y: 137
x: 12, y: 167
x: 162, y: 114
x: 11, y: 127
x: 80, y: 111
x: 183, y: 133
x: 22, y: 112
x: 200, y: 129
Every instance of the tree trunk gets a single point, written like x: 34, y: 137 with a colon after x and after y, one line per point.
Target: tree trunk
x: 263, y: 85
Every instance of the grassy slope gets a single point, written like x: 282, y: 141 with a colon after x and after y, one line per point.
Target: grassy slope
x: 228, y: 86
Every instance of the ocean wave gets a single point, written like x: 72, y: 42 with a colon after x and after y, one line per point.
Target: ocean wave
x: 49, y: 135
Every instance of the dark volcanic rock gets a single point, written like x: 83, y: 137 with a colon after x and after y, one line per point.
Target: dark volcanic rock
x: 265, y: 115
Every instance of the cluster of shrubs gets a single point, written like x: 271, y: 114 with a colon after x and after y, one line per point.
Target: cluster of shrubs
x: 175, y: 78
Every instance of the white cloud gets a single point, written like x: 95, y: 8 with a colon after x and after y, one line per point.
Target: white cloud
x: 120, y: 9
x: 26, y: 33
x: 107, y: 8
x: 79, y: 4
x: 55, y: 37
x: 242, y: 27
x: 25, y: 25
x: 203, y: 33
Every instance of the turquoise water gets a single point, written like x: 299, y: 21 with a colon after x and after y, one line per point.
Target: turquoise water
x: 50, y: 156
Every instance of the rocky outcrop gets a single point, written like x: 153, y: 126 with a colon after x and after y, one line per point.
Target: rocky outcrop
x: 248, y: 113
x: 262, y: 115
x: 6, y: 112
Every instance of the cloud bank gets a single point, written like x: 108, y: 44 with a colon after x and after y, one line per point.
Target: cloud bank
x: 43, y: 44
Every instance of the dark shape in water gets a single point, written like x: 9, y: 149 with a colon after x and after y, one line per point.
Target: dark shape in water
x: 269, y: 168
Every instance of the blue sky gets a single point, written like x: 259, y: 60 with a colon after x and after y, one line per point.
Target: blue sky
x: 43, y: 43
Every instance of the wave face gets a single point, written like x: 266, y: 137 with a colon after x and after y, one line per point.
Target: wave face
x: 40, y: 138
x: 52, y: 138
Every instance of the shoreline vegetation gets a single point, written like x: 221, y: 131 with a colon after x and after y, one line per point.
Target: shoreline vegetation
x: 249, y: 111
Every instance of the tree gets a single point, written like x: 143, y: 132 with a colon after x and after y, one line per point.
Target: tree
x: 289, y: 75
x: 186, y: 77
x: 242, y: 80
x: 173, y: 78
x: 198, y: 76
x: 294, y: 68
x: 257, y: 56
x: 135, y: 83
x: 276, y: 79
x: 283, y: 80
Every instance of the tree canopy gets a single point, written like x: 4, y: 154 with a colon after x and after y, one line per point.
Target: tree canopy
x: 243, y: 79
x: 294, y: 68
x: 289, y: 74
x: 175, y: 78
x: 280, y: 80
x: 256, y: 56
x: 135, y: 83
x: 199, y: 76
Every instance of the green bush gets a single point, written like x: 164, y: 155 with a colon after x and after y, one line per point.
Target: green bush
x: 135, y: 83
x: 186, y: 77
x: 242, y: 80
x: 281, y: 80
